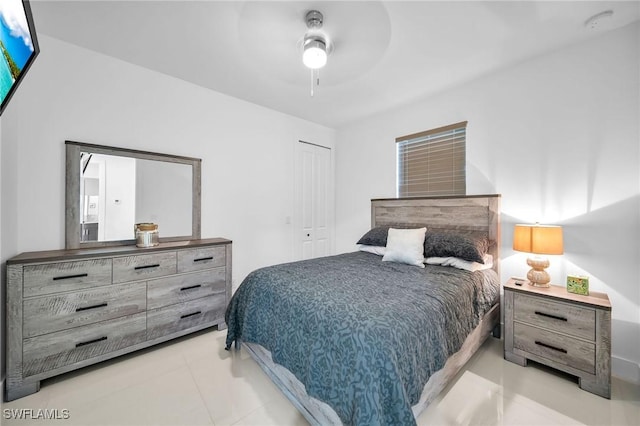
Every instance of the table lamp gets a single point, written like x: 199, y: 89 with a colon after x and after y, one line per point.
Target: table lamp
x: 538, y: 240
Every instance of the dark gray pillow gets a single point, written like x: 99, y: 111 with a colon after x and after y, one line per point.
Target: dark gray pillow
x: 470, y: 248
x: 375, y: 237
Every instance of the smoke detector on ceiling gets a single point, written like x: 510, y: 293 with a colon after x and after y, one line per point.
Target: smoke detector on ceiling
x: 598, y: 20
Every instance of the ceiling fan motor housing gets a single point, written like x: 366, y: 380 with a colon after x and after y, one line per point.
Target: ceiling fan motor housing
x: 314, y: 19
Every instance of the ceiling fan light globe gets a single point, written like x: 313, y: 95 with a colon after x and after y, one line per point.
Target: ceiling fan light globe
x: 315, y: 54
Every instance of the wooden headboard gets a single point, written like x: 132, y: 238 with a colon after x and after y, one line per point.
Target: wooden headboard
x: 476, y: 214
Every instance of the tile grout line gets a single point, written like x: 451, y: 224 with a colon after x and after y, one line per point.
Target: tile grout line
x: 195, y: 382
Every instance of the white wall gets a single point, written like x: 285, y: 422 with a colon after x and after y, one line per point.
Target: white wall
x: 8, y: 215
x: 558, y: 136
x: 72, y: 93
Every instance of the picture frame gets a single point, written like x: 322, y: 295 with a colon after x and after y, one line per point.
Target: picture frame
x: 18, y: 46
x: 578, y: 284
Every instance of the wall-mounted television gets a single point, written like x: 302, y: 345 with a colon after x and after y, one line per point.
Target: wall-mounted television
x: 18, y: 46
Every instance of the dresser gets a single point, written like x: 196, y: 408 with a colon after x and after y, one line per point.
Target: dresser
x: 566, y: 331
x: 67, y: 309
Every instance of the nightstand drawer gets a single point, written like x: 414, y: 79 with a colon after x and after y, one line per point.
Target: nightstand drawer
x: 555, y: 347
x: 569, y: 319
x: 201, y: 258
x: 43, y: 315
x: 54, y: 350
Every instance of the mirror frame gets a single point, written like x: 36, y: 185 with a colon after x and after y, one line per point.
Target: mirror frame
x: 72, y: 191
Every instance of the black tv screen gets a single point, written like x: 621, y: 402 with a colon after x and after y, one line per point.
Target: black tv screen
x: 18, y: 44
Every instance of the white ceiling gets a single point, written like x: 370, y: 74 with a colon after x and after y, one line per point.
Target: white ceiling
x: 387, y: 53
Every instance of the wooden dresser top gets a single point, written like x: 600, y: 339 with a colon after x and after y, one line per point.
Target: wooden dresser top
x: 57, y: 255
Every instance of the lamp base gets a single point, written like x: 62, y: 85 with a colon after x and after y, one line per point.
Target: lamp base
x: 537, y: 276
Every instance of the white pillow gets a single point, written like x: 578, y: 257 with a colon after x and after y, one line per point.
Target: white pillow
x: 379, y: 250
x: 456, y: 262
x: 405, y: 246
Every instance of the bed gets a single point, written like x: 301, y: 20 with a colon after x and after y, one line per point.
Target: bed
x: 352, y: 339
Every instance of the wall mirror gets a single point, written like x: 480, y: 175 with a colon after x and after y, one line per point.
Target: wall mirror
x: 109, y: 190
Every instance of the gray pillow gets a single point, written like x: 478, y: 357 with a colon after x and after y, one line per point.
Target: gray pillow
x: 440, y: 244
x: 375, y: 237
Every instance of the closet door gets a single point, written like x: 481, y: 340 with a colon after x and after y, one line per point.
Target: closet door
x: 314, y: 192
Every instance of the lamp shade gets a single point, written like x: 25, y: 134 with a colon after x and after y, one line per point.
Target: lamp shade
x: 538, y: 239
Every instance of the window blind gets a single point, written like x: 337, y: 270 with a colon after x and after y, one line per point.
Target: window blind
x: 432, y: 162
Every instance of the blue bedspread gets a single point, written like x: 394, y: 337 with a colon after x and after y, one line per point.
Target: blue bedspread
x: 362, y: 335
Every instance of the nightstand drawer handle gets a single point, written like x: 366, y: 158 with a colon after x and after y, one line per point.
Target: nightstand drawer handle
x: 564, y: 351
x: 203, y: 259
x: 550, y: 316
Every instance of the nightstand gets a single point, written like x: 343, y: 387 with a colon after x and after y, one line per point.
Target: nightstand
x: 566, y: 331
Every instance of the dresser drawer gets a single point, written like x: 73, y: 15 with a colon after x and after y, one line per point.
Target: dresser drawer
x: 569, y: 319
x: 555, y: 347
x: 201, y: 258
x: 65, y: 276
x: 182, y: 288
x: 54, y: 350
x: 182, y: 316
x: 43, y: 315
x: 143, y: 266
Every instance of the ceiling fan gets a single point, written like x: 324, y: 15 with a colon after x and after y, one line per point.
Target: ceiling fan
x: 277, y: 37
x: 315, y: 46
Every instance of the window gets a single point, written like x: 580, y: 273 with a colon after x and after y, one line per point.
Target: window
x: 432, y: 162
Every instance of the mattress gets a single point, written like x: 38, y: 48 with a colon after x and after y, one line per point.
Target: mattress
x: 362, y: 335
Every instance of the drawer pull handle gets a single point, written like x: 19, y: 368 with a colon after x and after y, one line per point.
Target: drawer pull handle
x: 85, y: 308
x: 99, y: 339
x: 66, y: 277
x: 564, y: 351
x: 147, y: 266
x: 190, y: 315
x: 190, y: 287
x: 203, y: 259
x: 550, y: 316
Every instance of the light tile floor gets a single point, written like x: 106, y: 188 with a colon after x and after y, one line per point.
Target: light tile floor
x: 194, y: 381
